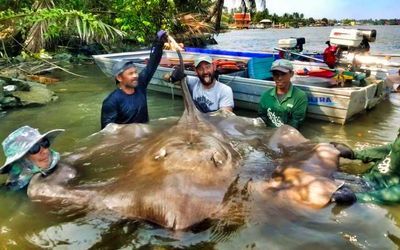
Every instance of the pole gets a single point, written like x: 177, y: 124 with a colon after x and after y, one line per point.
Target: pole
x: 298, y: 54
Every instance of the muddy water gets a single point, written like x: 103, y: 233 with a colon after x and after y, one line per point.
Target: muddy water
x: 27, y: 225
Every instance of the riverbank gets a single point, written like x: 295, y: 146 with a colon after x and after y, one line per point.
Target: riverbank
x: 16, y: 93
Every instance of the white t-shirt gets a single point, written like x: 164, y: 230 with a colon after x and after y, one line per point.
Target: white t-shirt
x: 393, y: 80
x: 209, y: 100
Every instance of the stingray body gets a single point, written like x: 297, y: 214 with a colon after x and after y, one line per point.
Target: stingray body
x: 175, y: 177
x: 304, y: 172
x: 182, y: 175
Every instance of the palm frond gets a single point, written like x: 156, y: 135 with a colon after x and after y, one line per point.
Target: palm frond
x: 46, y: 24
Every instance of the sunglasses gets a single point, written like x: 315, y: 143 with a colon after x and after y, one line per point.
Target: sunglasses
x: 44, y: 143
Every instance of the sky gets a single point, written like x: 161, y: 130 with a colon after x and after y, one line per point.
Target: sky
x: 332, y: 9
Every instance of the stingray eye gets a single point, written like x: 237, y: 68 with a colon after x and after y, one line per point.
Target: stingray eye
x: 160, y: 154
x: 217, y: 158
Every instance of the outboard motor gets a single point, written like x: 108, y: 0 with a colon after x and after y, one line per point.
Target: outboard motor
x: 292, y: 44
x: 300, y: 41
x: 370, y: 35
x: 351, y: 42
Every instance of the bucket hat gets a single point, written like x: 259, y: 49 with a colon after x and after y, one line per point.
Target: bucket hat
x: 18, y: 143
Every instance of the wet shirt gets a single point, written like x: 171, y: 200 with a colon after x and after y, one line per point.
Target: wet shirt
x: 121, y: 108
x: 209, y: 100
x: 384, y: 176
x: 289, y: 109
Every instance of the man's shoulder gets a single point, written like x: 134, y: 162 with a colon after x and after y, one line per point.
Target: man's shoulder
x: 113, y: 96
x: 222, y: 86
x: 299, y: 92
x: 192, y: 80
x: 268, y: 93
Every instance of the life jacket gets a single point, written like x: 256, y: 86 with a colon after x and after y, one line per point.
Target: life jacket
x: 316, y: 73
x: 226, y: 66
x: 282, y: 55
x: 330, y: 56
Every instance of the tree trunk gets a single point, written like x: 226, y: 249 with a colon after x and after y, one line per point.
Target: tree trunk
x: 217, y: 10
x: 35, y: 40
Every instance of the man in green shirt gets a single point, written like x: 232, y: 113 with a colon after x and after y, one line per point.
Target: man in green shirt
x: 383, y: 178
x: 284, y: 104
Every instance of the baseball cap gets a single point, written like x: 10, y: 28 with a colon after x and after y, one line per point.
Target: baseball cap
x: 200, y: 59
x: 282, y: 65
x: 120, y: 66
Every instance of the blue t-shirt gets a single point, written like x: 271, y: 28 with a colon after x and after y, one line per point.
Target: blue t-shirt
x: 122, y: 108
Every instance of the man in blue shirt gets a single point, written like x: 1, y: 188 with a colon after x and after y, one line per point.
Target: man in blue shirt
x: 128, y: 103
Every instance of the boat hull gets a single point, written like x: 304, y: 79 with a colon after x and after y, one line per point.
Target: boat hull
x: 338, y: 105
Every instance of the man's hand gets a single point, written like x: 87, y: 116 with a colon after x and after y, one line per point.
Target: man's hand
x: 162, y: 36
x: 344, y: 196
x: 177, y: 75
x: 345, y: 151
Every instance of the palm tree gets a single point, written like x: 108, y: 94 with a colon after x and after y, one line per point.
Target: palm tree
x: 216, y: 11
x: 45, y: 22
x: 35, y: 40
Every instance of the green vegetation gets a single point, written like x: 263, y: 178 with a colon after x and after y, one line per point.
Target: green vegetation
x: 34, y: 25
x: 31, y: 26
x: 297, y: 19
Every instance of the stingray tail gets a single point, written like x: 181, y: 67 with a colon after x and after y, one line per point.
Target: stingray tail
x: 192, y: 113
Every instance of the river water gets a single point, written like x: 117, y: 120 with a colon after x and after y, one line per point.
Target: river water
x: 26, y: 225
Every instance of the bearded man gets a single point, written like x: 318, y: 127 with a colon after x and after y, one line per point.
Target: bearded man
x: 128, y: 102
x: 208, y: 94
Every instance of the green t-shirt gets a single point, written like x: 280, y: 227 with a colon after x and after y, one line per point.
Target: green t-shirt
x: 384, y: 176
x: 386, y: 170
x: 290, y: 109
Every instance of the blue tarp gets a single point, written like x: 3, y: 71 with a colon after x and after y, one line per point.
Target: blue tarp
x: 231, y: 53
x: 240, y: 53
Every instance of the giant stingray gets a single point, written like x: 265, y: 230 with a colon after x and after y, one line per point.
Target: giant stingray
x: 185, y: 174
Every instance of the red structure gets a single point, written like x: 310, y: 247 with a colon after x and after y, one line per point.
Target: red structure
x: 242, y: 20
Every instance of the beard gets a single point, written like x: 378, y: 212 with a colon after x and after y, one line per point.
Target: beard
x: 207, y: 79
x: 131, y: 85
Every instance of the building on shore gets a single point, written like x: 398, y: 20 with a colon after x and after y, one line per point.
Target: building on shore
x: 266, y: 23
x: 242, y: 20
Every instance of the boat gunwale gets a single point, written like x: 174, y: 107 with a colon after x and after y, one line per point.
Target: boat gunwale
x: 346, y: 91
x: 344, y: 97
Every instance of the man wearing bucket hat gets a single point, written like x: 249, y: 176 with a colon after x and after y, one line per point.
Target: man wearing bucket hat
x: 284, y: 104
x: 383, y: 179
x: 28, y: 153
x: 208, y: 94
x: 128, y: 103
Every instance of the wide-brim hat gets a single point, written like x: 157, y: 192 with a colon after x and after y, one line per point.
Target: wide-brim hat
x: 18, y: 143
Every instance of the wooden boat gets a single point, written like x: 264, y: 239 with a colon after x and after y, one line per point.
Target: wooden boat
x: 334, y: 104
